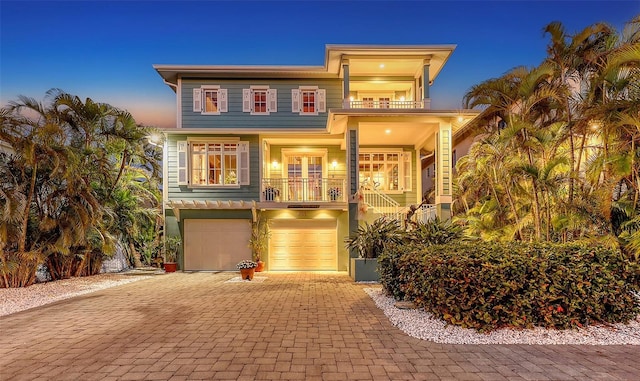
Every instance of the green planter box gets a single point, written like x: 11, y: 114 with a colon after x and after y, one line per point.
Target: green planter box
x: 362, y: 270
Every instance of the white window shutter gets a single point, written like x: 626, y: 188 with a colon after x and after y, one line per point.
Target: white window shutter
x: 243, y: 150
x: 182, y: 163
x: 272, y: 97
x: 321, y: 102
x: 246, y: 100
x: 223, y: 105
x: 406, y: 171
x: 197, y: 100
x: 295, y: 100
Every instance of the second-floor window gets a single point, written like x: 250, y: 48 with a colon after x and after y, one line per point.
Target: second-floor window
x: 259, y: 100
x: 308, y: 100
x: 210, y: 100
x: 211, y: 163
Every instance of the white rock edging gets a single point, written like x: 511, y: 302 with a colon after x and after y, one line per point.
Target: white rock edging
x: 423, y: 325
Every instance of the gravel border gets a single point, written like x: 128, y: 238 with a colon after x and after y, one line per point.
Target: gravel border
x: 14, y: 300
x: 423, y: 325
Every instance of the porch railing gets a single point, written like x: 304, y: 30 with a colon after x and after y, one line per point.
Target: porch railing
x: 380, y: 202
x: 358, y: 104
x: 304, y: 190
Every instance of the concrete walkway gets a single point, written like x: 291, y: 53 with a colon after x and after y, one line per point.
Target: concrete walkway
x: 293, y: 326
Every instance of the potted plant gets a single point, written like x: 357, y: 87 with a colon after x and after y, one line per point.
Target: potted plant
x: 258, y: 241
x: 368, y: 243
x: 171, y: 246
x: 247, y: 267
x: 270, y: 193
x: 334, y: 193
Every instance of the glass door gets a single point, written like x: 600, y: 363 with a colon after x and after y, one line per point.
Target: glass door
x: 305, y: 174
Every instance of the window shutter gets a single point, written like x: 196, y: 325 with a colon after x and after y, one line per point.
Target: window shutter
x: 272, y: 97
x: 222, y: 100
x: 243, y: 149
x: 246, y: 100
x: 406, y: 169
x: 197, y: 100
x: 182, y: 163
x: 295, y: 100
x: 321, y: 103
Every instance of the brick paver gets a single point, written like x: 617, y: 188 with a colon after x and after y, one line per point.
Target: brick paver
x: 293, y: 326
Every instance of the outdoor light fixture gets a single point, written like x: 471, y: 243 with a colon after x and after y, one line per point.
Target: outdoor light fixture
x: 381, y: 66
x: 460, y: 119
x: 334, y: 164
x: 387, y: 132
x: 275, y: 164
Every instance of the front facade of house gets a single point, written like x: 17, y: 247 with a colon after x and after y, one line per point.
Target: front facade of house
x: 308, y: 149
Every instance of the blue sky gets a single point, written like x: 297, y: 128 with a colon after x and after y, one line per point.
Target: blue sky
x: 105, y: 50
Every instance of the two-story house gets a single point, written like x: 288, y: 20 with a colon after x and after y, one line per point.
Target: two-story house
x: 308, y: 148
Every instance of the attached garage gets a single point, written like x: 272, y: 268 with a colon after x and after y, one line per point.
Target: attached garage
x: 303, y: 245
x: 215, y: 244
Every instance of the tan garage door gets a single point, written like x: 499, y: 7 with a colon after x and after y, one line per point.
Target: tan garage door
x: 303, y: 245
x: 215, y: 244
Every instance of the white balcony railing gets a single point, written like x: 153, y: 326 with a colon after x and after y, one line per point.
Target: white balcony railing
x: 304, y: 190
x: 358, y: 104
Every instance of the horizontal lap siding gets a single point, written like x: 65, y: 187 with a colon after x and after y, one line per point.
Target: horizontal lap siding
x: 235, y: 118
x: 245, y: 192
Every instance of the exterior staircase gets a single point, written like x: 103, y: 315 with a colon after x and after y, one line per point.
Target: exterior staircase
x: 382, y: 205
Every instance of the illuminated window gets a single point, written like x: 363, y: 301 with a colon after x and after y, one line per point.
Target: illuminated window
x: 259, y: 100
x: 385, y: 171
x: 308, y: 100
x: 214, y: 163
x: 210, y: 100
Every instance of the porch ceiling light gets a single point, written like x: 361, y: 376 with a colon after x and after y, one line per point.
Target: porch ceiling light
x: 460, y: 119
x: 387, y: 132
x: 381, y: 66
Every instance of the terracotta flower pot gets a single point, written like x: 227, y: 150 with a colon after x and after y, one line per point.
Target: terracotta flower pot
x: 260, y: 267
x: 170, y: 267
x: 247, y: 273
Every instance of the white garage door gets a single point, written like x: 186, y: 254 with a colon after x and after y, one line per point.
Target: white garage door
x: 215, y: 244
x: 303, y: 245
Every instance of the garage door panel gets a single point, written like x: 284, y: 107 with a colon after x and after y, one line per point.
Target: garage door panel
x: 215, y: 244
x: 303, y: 245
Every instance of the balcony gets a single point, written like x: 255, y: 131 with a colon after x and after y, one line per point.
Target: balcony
x: 296, y: 190
x: 395, y: 105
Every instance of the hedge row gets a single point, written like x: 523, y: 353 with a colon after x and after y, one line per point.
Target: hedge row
x: 486, y: 285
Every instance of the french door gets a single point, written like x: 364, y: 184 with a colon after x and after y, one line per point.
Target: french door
x: 304, y: 172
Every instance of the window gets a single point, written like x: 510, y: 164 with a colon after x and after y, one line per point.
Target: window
x: 217, y: 164
x: 386, y: 171
x: 308, y: 100
x: 210, y: 100
x: 367, y: 102
x: 259, y: 100
x: 384, y: 102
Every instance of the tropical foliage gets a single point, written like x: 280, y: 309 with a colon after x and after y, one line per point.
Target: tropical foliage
x: 490, y: 285
x: 556, y: 158
x: 79, y: 176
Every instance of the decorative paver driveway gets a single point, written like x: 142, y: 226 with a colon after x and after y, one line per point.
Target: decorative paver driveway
x: 293, y: 326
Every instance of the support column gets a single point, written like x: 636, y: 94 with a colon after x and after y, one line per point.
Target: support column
x: 444, y: 171
x: 426, y: 100
x: 345, y: 84
x: 353, y: 181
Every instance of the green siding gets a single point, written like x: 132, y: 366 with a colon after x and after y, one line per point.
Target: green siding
x: 235, y: 118
x: 184, y: 192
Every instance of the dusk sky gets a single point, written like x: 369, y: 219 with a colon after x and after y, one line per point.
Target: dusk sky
x: 105, y: 50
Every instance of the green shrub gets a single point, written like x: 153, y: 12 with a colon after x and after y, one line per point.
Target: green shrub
x: 433, y: 232
x: 487, y: 286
